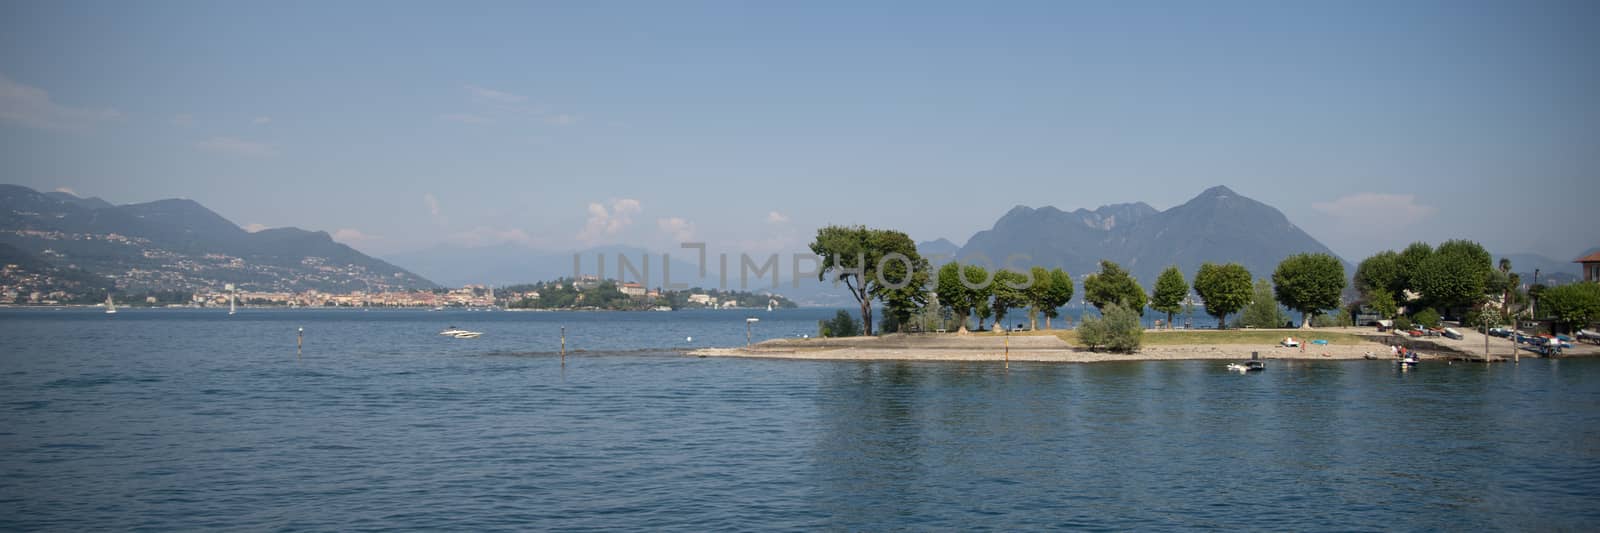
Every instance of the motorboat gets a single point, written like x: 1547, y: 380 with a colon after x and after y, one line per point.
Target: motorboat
x: 1409, y: 360
x: 468, y: 334
x: 453, y: 331
x: 1247, y: 366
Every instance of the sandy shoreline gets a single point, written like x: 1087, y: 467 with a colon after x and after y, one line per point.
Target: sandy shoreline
x: 1038, y: 348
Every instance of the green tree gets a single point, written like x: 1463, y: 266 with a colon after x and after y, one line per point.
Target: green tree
x: 1113, y: 285
x: 906, y: 291
x: 1456, y: 275
x: 964, y: 288
x: 1051, y: 289
x: 1060, y: 294
x: 1225, y: 288
x: 1010, y: 290
x: 1382, y: 303
x: 1309, y: 283
x: 1380, y: 273
x: 866, y: 260
x: 842, y: 325
x: 1263, y: 310
x: 1575, y: 304
x: 1171, y: 291
x: 956, y: 295
x: 1410, y: 263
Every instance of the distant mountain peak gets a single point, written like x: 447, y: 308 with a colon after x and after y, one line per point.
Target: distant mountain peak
x: 939, y: 247
x: 1218, y: 225
x: 1019, y: 210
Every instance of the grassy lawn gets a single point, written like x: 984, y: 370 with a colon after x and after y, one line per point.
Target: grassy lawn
x: 1211, y: 336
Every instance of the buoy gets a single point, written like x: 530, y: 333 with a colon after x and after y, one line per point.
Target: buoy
x: 688, y: 339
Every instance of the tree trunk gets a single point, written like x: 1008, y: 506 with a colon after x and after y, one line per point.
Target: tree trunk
x: 1169, y: 320
x: 1047, y: 322
x: 1033, y: 318
x: 1305, y: 320
x: 866, y: 317
x: 1222, y: 321
x: 963, y: 329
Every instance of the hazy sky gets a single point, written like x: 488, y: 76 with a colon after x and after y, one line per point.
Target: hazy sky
x: 398, y: 126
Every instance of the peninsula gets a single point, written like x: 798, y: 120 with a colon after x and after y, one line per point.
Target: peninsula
x: 1059, y: 346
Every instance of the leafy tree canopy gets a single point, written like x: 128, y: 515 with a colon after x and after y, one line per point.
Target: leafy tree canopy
x: 1380, y: 273
x: 1113, y: 285
x: 1309, y: 283
x: 1456, y: 275
x: 1225, y: 288
x: 1575, y: 304
x: 1263, y: 310
x: 1171, y: 290
x: 868, y: 262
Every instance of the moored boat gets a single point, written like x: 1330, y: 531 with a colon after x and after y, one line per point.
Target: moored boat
x: 1247, y: 366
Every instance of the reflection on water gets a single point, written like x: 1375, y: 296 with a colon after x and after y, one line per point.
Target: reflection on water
x: 178, y: 421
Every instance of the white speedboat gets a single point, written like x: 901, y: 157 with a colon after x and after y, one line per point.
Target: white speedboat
x: 1409, y: 360
x: 468, y: 334
x: 453, y: 331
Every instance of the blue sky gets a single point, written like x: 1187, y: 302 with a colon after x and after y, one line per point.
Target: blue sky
x: 401, y: 125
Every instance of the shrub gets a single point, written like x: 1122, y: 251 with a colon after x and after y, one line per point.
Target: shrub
x: 1427, y: 318
x: 1118, y: 330
x: 1484, y: 317
x: 1092, y: 332
x: 1402, y: 323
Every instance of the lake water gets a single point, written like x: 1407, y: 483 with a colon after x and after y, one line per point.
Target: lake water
x: 185, y: 419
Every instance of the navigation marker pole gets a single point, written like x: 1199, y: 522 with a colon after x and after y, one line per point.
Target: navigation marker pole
x: 299, y: 342
x: 563, y: 345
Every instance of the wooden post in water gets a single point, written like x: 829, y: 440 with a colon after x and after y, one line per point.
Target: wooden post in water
x: 1007, y: 342
x: 563, y: 345
x: 299, y: 342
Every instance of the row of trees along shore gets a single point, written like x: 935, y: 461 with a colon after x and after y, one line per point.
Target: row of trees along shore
x: 1456, y: 279
x: 1421, y: 284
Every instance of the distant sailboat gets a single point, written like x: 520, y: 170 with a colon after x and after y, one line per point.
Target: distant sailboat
x: 231, y: 309
x: 111, y: 307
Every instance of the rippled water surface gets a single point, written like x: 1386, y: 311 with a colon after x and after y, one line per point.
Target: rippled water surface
x: 196, y: 420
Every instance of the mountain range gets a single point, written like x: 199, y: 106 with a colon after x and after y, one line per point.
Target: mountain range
x: 180, y: 244
x: 1219, y: 226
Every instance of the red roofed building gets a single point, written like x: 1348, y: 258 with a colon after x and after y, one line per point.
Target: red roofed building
x: 1591, y: 266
